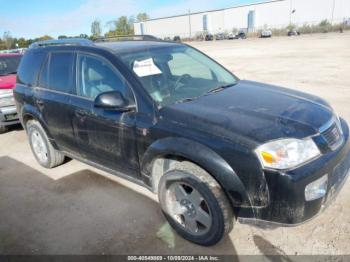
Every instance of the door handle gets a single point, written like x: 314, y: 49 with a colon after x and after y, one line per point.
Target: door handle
x: 40, y: 103
x: 81, y: 114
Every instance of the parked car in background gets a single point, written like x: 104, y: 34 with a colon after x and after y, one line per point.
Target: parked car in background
x: 8, y: 69
x: 239, y: 35
x: 293, y: 32
x: 266, y: 33
x: 166, y: 116
x: 209, y: 37
x: 220, y: 36
x: 177, y: 39
x: 13, y: 51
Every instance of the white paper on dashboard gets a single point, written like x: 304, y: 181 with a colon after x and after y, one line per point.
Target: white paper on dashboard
x: 146, y: 68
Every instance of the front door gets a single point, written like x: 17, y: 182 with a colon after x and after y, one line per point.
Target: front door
x: 106, y: 137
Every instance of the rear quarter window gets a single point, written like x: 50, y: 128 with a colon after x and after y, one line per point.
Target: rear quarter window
x: 29, y: 67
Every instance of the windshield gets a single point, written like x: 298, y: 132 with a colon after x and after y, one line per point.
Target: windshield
x: 9, y: 64
x: 176, y: 73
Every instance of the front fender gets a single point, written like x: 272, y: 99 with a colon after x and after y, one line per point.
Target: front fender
x: 202, y: 156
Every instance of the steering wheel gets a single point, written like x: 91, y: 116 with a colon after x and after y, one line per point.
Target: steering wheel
x: 186, y: 77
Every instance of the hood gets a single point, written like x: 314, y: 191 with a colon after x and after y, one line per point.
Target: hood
x: 8, y: 81
x: 256, y: 111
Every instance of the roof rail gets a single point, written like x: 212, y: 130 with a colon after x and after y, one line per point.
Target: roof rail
x: 66, y: 41
x: 128, y: 38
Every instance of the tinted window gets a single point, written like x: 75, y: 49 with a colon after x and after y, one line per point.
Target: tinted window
x: 9, y: 64
x: 97, y: 76
x: 29, y: 67
x: 61, y: 71
x: 44, y: 75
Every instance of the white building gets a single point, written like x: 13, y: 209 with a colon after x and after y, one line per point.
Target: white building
x: 271, y: 14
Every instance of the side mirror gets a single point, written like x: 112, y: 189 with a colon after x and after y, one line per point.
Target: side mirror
x: 113, y: 100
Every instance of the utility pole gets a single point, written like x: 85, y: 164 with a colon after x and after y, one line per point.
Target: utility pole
x: 333, y: 11
x: 189, y: 23
x: 290, y: 11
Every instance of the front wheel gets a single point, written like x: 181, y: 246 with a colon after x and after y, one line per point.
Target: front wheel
x: 194, y: 204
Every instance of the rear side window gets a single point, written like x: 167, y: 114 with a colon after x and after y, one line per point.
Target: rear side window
x: 44, y: 75
x: 60, y: 72
x: 30, y: 66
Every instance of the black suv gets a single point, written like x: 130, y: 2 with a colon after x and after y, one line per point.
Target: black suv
x: 164, y: 115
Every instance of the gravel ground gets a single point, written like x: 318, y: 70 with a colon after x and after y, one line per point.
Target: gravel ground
x: 76, y: 209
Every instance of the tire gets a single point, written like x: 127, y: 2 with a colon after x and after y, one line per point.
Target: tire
x: 3, y: 129
x: 48, y: 156
x: 187, y: 181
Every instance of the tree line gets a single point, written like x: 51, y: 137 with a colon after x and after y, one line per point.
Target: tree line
x: 9, y: 42
x: 122, y: 26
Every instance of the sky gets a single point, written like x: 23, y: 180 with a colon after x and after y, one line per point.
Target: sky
x: 34, y: 18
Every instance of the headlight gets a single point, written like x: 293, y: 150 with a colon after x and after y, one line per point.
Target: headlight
x: 6, y: 99
x: 287, y: 153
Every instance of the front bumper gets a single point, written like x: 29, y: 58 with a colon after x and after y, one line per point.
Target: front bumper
x: 287, y: 205
x: 8, y: 116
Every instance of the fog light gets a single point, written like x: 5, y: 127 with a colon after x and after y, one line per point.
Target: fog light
x: 316, y: 189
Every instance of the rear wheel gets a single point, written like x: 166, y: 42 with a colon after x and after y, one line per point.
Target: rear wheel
x: 194, y: 204
x: 44, y: 152
x: 3, y: 129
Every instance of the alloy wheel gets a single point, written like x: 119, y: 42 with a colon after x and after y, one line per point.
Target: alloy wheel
x: 39, y: 146
x: 188, y: 207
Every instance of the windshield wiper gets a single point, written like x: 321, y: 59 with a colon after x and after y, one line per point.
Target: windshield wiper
x: 214, y: 90
x: 219, y: 88
x: 187, y: 99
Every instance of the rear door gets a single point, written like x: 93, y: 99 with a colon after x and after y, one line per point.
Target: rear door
x: 52, y: 97
x: 106, y: 137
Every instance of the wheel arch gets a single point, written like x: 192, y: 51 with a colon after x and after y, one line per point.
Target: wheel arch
x: 160, y: 156
x: 31, y: 113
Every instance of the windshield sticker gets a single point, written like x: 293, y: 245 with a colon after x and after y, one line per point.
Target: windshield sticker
x: 146, y: 68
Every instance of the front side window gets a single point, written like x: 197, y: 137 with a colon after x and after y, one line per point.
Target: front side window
x: 177, y: 73
x: 60, y: 76
x: 97, y: 76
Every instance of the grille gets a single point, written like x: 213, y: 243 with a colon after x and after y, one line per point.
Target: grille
x: 333, y: 136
